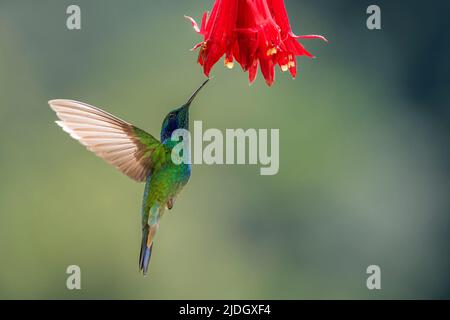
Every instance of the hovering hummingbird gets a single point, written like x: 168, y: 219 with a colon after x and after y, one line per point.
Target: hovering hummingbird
x: 136, y: 153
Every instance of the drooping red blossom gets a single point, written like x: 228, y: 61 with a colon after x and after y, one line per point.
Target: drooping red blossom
x: 252, y: 32
x: 218, y: 32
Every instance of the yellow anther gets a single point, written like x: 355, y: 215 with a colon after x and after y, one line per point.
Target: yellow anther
x: 229, y: 64
x: 271, y: 51
x: 284, y: 67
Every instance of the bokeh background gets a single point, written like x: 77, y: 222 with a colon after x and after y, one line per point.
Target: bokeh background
x: 364, y: 156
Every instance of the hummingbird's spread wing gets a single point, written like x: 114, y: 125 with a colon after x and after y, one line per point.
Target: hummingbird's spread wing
x: 131, y: 150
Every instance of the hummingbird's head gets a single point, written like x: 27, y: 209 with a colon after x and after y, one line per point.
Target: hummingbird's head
x: 178, y: 118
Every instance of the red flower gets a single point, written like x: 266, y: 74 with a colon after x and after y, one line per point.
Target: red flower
x: 252, y: 32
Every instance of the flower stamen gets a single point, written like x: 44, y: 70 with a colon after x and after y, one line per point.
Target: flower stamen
x: 229, y: 63
x: 271, y: 51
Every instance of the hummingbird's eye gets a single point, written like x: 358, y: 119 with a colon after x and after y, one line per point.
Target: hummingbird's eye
x: 171, y: 115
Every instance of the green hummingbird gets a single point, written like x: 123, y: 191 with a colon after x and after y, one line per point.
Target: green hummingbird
x: 136, y: 153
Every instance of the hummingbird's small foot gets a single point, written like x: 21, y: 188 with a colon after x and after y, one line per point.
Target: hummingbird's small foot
x: 170, y: 204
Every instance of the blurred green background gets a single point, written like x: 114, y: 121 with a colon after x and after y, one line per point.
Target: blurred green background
x: 364, y: 157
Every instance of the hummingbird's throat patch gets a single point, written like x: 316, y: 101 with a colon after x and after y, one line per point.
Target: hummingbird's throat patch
x: 231, y: 147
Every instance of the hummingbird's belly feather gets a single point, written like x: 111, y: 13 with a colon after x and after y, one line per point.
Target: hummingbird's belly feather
x: 162, y: 186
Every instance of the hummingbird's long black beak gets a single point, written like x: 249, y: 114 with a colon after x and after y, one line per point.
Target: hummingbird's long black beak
x: 196, y: 92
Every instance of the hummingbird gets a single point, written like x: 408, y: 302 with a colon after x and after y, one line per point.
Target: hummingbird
x: 136, y: 153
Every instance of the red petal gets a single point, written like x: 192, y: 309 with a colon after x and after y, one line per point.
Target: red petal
x: 212, y: 54
x: 247, y: 45
x: 267, y: 69
x: 293, y: 72
x: 204, y: 19
x: 279, y: 13
x: 253, y: 72
x: 213, y: 15
x: 296, y: 48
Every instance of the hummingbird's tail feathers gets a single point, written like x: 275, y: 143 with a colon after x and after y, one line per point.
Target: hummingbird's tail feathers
x: 148, y: 234
x: 145, y: 255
